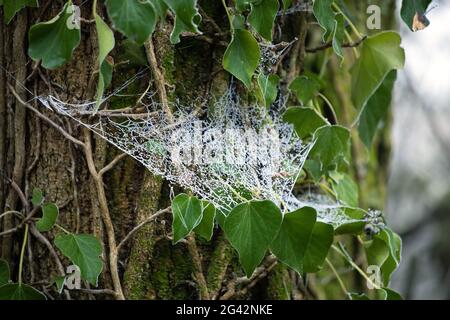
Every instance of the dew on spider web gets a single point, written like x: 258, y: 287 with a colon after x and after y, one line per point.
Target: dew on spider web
x: 226, y: 153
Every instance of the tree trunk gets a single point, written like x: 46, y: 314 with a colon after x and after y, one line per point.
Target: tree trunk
x: 33, y: 154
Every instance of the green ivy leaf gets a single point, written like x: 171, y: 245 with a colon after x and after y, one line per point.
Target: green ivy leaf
x: 206, y: 227
x: 262, y: 17
x: 332, y: 24
x: 390, y: 294
x: 332, y: 145
x: 106, y: 43
x: 160, y: 8
x: 242, y: 56
x: 345, y: 188
x: 53, y: 42
x: 251, y: 227
x: 338, y: 35
x: 187, y: 214
x: 37, y: 198
x: 380, y: 54
x: 384, y: 250
x: 305, y: 120
x: 293, y: 239
x: 412, y: 7
x: 135, y: 19
x: 50, y: 214
x: 83, y: 250
x: 11, y: 7
x: 16, y: 291
x: 394, y: 243
x: 268, y: 85
x: 59, y: 282
x: 313, y: 167
x: 376, y: 109
x: 242, y: 5
x: 325, y: 16
x: 187, y: 18
x: 305, y: 88
x: 319, y: 245
x: 5, y: 274
x: 350, y: 221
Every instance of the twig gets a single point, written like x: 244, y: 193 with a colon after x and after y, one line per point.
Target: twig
x: 98, y: 291
x: 330, y: 44
x: 140, y: 225
x: 48, y: 120
x: 4, y: 214
x: 112, y: 164
x: 20, y: 193
x: 159, y: 77
x: 106, y: 217
x: 260, y: 273
x: 198, y: 269
x: 35, y: 232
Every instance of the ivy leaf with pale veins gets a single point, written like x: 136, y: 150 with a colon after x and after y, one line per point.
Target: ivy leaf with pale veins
x: 251, y: 227
x: 50, y: 214
x: 53, y: 42
x: 380, y: 54
x: 11, y: 7
x: 345, y: 188
x: 325, y: 16
x: 242, y: 56
x: 106, y: 43
x: 262, y: 17
x: 332, y: 145
x: 293, y: 238
x: 206, y: 227
x: 332, y: 24
x: 83, y: 250
x: 135, y: 19
x: 373, y: 113
x: 305, y: 120
x: 338, y: 35
x: 187, y: 18
x: 187, y: 214
x: 321, y: 240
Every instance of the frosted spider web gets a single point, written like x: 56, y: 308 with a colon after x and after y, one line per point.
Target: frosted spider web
x: 225, y: 151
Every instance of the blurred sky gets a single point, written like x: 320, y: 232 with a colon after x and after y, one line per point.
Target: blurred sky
x: 420, y: 166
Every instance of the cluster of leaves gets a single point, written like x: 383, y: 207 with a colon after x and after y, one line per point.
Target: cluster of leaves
x: 296, y: 238
x: 256, y: 226
x: 83, y: 250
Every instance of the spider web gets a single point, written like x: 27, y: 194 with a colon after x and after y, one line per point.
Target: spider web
x: 225, y: 151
